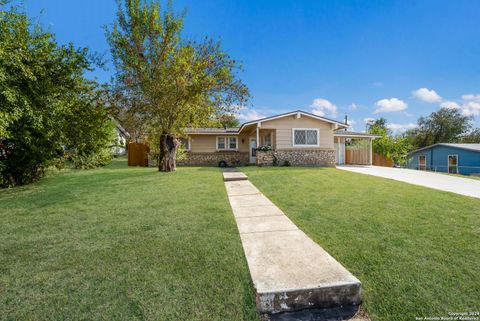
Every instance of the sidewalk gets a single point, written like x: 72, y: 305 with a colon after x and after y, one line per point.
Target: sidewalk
x: 289, y: 271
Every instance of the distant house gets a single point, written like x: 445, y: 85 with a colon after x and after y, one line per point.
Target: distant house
x: 448, y: 158
x: 293, y: 138
x: 121, y: 138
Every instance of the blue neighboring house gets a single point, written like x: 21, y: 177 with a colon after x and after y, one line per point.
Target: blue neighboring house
x: 448, y: 158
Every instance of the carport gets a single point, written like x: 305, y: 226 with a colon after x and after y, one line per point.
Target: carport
x: 353, y: 148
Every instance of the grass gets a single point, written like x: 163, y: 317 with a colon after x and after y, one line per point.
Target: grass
x: 122, y: 243
x: 416, y: 250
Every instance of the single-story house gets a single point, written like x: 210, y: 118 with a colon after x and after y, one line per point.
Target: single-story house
x: 448, y: 158
x: 293, y: 138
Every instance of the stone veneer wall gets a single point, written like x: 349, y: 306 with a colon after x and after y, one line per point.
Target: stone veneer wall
x: 298, y: 157
x: 212, y: 159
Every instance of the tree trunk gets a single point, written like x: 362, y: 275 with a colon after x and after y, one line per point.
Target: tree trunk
x: 168, y: 153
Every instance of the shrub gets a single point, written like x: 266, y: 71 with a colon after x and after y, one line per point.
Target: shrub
x: 264, y: 148
x: 92, y: 160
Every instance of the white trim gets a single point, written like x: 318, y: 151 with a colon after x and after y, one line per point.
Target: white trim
x: 227, y: 143
x: 448, y: 163
x: 305, y: 145
x: 354, y: 135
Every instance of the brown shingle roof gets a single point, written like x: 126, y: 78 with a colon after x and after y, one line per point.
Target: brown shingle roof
x: 232, y: 130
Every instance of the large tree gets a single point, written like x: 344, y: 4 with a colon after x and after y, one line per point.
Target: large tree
x: 45, y: 101
x: 178, y: 83
x: 446, y: 125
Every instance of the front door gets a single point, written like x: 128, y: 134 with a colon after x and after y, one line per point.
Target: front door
x: 253, y: 150
x: 422, y: 162
x: 453, y: 164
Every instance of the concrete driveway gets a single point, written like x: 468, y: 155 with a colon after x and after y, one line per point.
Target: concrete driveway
x: 443, y: 182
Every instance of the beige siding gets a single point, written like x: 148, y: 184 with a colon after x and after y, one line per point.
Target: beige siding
x: 208, y: 143
x: 202, y: 143
x: 285, y: 125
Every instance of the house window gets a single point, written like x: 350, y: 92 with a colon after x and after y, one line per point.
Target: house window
x: 453, y: 164
x: 185, y: 143
x: 268, y: 140
x: 305, y: 137
x: 232, y: 143
x: 221, y: 143
x: 422, y: 162
x: 227, y: 143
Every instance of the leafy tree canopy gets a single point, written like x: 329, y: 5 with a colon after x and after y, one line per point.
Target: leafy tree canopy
x: 175, y: 83
x: 446, y: 125
x: 392, y: 146
x: 45, y: 101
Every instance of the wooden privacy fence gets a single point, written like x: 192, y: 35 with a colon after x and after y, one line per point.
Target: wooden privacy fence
x: 357, y: 156
x: 138, y: 154
x: 380, y: 160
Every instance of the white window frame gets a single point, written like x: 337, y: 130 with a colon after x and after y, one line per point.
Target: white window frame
x: 227, y: 143
x: 305, y: 145
x: 448, y: 163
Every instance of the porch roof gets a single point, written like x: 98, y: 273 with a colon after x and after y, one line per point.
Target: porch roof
x: 296, y: 112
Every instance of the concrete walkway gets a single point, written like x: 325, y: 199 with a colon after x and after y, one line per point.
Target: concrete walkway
x: 464, y: 186
x: 289, y: 271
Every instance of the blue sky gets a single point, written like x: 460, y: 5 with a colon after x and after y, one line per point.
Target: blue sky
x: 369, y: 59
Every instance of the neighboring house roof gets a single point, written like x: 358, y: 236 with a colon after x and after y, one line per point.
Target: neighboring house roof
x: 120, y: 127
x: 236, y: 130
x: 354, y: 134
x: 472, y: 147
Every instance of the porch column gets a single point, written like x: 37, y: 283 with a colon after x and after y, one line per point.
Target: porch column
x: 258, y: 137
x: 370, y: 154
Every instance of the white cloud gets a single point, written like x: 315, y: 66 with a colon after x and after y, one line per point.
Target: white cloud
x: 368, y: 120
x: 320, y: 106
x: 399, y: 128
x: 427, y: 95
x: 390, y: 105
x: 450, y: 105
x: 471, y: 108
x: 352, y: 107
x: 246, y: 115
x: 471, y: 97
x: 469, y: 105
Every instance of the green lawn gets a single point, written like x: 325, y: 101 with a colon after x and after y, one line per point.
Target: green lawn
x: 416, y: 250
x: 122, y: 243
